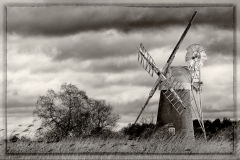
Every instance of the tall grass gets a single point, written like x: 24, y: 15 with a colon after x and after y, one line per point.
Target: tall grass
x: 120, y: 144
x: 146, y: 146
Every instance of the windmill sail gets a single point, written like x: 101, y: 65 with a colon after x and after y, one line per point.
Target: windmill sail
x: 178, y: 104
x: 175, y: 103
x: 149, y: 65
x: 146, y: 60
x: 149, y: 97
x: 170, y: 59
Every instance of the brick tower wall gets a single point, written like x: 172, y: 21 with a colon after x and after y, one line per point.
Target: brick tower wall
x: 168, y: 114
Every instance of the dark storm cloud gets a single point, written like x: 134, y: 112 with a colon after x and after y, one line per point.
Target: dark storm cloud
x: 93, y: 48
x: 102, y: 45
x: 224, y: 46
x: 65, y: 20
x: 94, y: 66
x: 141, y: 80
x: 90, y: 47
x: 218, y: 42
x: 111, y: 43
x: 112, y: 66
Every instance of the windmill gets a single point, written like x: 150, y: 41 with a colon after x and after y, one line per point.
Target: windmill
x: 175, y: 85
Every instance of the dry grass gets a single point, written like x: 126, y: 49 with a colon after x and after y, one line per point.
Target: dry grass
x: 146, y: 148
x: 97, y: 145
x: 155, y: 147
x: 72, y: 149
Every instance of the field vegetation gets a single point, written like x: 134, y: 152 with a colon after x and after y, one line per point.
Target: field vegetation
x: 143, y: 138
x: 73, y: 123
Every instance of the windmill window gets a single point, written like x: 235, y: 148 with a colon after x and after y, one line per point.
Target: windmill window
x: 171, y: 131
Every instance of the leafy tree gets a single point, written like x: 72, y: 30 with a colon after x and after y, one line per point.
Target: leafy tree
x: 226, y: 122
x: 197, y: 127
x: 207, y: 123
x: 72, y: 112
x: 196, y: 123
x: 102, y: 116
x: 216, y: 124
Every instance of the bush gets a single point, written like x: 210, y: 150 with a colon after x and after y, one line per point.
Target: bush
x: 216, y: 130
x: 136, y: 130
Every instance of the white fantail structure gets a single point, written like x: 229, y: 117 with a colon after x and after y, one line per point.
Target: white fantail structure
x: 196, y: 57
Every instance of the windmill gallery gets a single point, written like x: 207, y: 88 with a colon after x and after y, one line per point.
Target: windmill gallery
x: 180, y: 88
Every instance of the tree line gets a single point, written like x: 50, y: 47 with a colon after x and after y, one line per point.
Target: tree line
x: 224, y: 127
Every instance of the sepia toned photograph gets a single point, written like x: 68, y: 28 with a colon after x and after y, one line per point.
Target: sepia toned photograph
x: 119, y: 79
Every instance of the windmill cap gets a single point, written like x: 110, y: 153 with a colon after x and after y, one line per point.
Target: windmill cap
x: 179, y: 77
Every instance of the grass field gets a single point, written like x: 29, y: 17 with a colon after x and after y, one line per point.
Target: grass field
x: 121, y: 146
x: 154, y: 147
x: 96, y: 148
x: 117, y: 149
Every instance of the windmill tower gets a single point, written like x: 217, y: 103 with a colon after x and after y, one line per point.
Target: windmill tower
x: 175, y: 84
x: 181, y: 118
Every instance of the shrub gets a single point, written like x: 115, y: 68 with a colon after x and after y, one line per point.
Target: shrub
x: 136, y: 130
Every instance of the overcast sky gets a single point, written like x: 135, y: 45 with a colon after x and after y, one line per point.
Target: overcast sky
x: 94, y: 48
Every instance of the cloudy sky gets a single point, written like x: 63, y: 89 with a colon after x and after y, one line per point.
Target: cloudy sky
x: 94, y: 48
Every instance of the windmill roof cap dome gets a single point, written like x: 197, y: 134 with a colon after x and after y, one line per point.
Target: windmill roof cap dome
x: 181, y: 73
